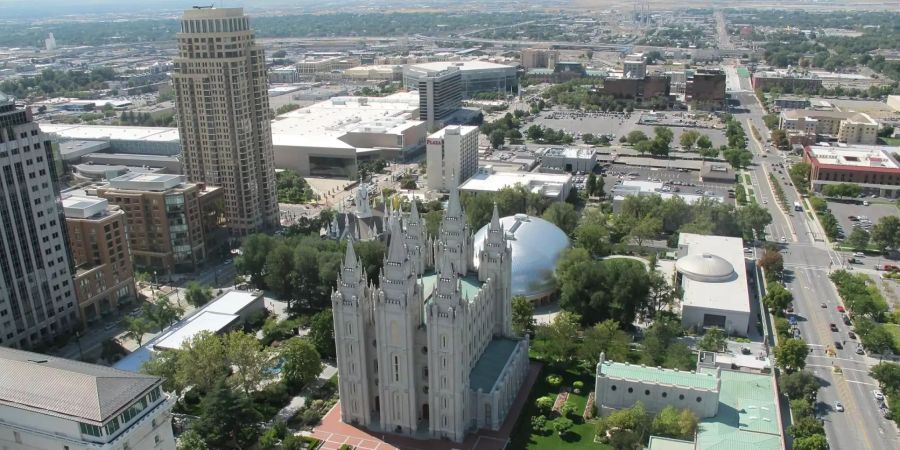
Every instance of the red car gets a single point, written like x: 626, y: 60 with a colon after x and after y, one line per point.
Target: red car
x: 840, y: 308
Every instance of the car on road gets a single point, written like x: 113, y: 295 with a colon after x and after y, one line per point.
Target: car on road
x: 840, y: 308
x: 838, y: 345
x: 783, y: 240
x: 878, y: 395
x: 823, y: 305
x: 109, y: 326
x: 859, y: 350
x: 851, y: 335
x: 838, y: 407
x: 833, y: 327
x: 859, y: 254
x: 845, y: 319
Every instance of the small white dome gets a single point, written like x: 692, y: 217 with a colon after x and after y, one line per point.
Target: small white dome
x: 705, y: 267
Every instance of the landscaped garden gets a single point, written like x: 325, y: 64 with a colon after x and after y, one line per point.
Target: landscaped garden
x: 556, y: 426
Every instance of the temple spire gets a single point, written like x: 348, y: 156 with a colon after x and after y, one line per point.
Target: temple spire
x: 396, y: 246
x: 495, y: 218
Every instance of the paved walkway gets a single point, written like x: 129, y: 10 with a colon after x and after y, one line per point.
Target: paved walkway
x: 300, y: 400
x: 335, y: 433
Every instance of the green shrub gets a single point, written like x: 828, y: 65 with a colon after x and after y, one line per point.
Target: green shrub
x: 554, y: 380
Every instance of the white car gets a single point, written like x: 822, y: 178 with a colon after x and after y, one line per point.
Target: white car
x: 859, y: 254
x: 838, y: 407
x: 783, y: 239
x: 878, y: 395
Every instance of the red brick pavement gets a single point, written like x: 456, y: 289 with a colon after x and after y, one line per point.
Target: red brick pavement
x: 335, y: 433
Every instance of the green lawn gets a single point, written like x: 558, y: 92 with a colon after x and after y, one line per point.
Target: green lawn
x: 580, y: 436
x: 895, y: 142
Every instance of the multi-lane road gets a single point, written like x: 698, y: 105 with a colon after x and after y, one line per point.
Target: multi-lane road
x: 808, y: 260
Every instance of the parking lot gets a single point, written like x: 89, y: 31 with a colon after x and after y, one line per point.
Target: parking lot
x: 867, y: 215
x: 620, y: 124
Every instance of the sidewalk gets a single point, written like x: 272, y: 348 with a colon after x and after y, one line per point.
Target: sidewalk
x: 300, y: 400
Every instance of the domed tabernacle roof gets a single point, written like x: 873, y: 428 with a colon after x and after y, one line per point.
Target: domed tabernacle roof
x: 536, y: 245
x: 705, y: 267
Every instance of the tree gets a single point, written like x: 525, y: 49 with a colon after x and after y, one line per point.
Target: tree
x: 790, y: 355
x: 799, y: 385
x: 633, y: 421
x: 777, y: 298
x: 874, y: 336
x: 535, y: 132
x: 713, y: 340
x: 704, y: 143
x: 563, y: 215
x: 679, y: 356
x: 858, y: 239
x: 688, y: 138
x: 321, y: 333
x: 604, y: 337
x: 280, y: 270
x: 252, y: 261
x: 227, y: 418
x: 802, y: 407
x: 644, y: 146
x: 660, y: 294
x: 202, y: 362
x: 672, y: 423
x: 544, y: 403
x: 253, y: 362
x: 498, y: 138
x: 887, y: 374
x: 561, y: 425
x: 886, y: 233
x: 754, y: 219
x: 162, y: 313
x: 805, y: 427
x: 522, y: 315
x: 598, y: 290
x: 136, y: 327
x: 799, y: 174
x: 190, y: 439
x: 636, y: 136
x: 302, y: 363
x: 771, y: 261
x: 165, y: 366
x: 812, y: 442
x: 779, y: 139
x: 842, y: 190
x: 646, y: 228
x: 558, y: 340
x: 197, y: 294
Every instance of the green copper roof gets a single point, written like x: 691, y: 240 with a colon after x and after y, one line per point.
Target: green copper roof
x: 747, y: 417
x: 495, y: 357
x: 470, y: 285
x: 657, y: 375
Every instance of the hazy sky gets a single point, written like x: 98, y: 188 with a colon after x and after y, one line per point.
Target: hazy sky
x: 55, y: 8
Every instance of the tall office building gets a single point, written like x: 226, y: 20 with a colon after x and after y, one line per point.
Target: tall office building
x: 440, y: 92
x: 37, y: 297
x: 223, y: 115
x: 452, y: 156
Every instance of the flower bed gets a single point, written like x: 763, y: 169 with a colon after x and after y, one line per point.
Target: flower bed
x: 589, y: 408
x: 560, y: 401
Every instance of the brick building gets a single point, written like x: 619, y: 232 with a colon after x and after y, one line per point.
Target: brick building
x: 168, y: 227
x: 874, y: 168
x: 104, y: 274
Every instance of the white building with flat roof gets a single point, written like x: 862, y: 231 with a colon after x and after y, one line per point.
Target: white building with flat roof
x: 569, y: 159
x: 221, y: 315
x: 452, y: 156
x: 476, y: 76
x: 327, y: 138
x: 551, y: 185
x: 639, y: 187
x: 712, y: 273
x: 54, y: 403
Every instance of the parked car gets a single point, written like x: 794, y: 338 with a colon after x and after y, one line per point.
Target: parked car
x: 838, y: 407
x: 840, y: 308
x: 878, y: 395
x: 833, y: 327
x: 859, y: 254
x: 838, y: 345
x: 851, y: 334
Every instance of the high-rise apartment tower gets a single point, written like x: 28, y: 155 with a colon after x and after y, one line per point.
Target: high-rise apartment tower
x: 223, y: 115
x: 37, y: 296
